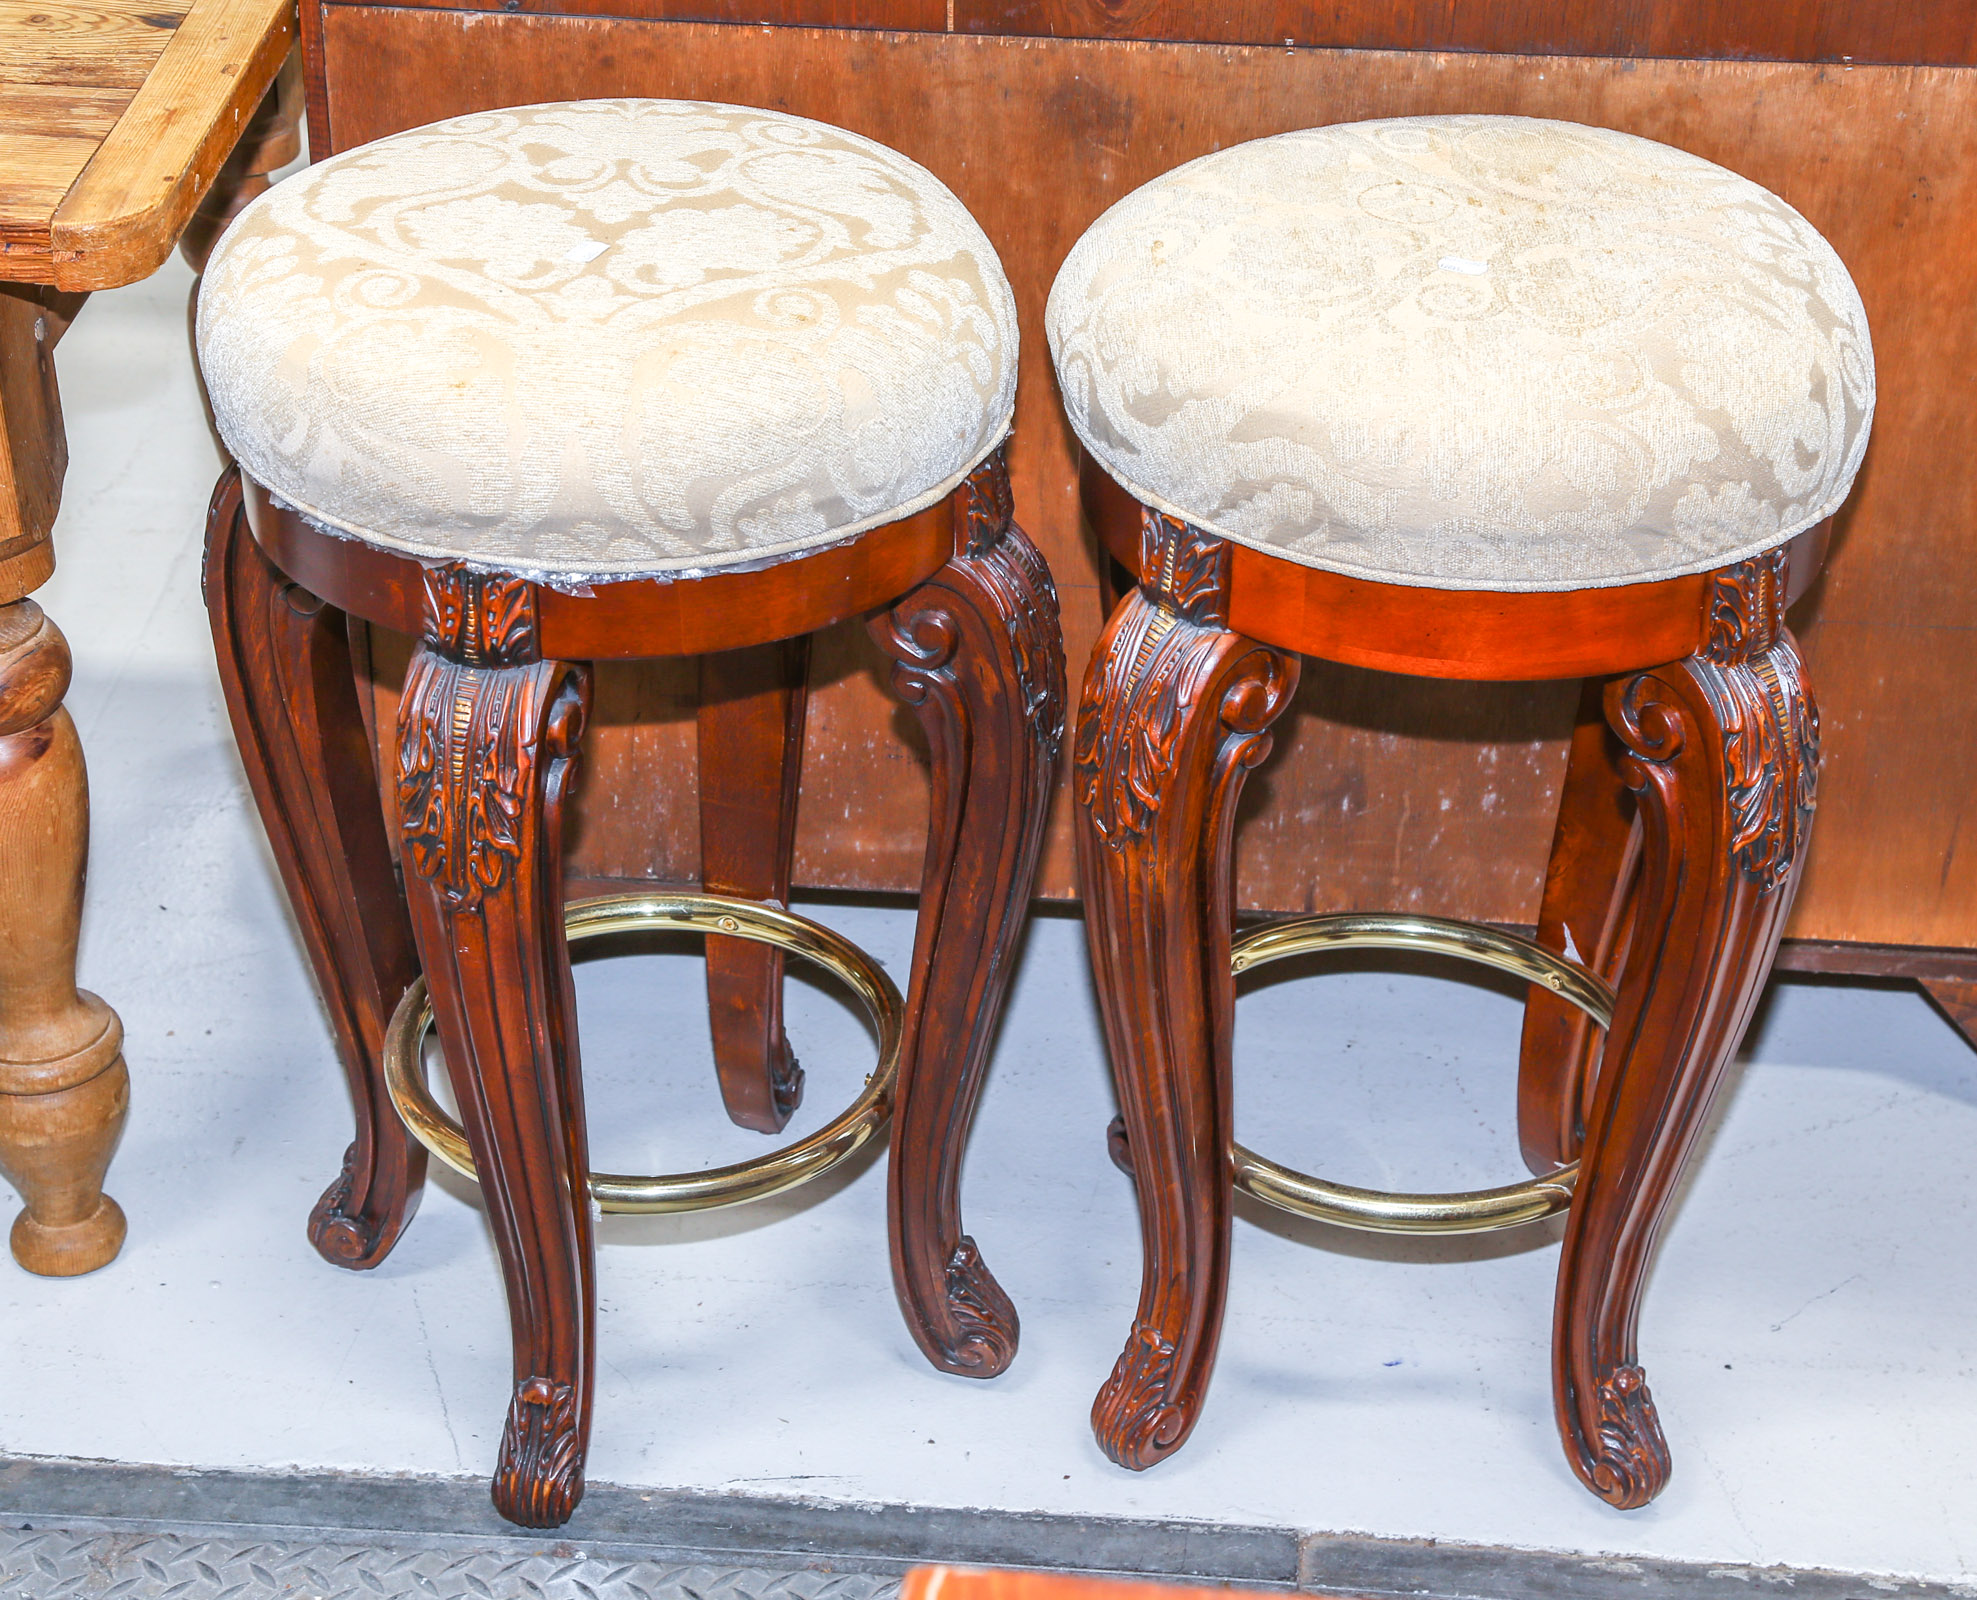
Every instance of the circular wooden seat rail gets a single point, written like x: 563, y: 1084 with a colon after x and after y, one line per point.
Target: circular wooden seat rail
x: 628, y: 618
x: 1449, y: 633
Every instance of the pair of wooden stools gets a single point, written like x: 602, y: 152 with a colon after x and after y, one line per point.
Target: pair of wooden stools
x: 1469, y: 397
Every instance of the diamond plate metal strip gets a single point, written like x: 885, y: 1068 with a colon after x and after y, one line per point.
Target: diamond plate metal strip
x: 43, y: 1564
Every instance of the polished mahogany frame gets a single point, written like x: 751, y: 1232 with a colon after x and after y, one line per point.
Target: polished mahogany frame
x: 1680, y: 842
x: 487, y: 749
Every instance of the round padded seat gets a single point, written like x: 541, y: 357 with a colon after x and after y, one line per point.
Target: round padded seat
x: 609, y: 339
x: 1468, y: 352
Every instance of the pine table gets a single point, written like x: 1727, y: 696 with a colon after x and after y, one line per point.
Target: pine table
x: 126, y: 127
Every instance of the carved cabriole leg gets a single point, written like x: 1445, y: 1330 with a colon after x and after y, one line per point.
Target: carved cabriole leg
x: 487, y: 740
x: 284, y: 660
x: 980, y: 659
x: 1176, y: 710
x: 64, y: 1090
x: 1586, y: 914
x: 751, y: 750
x: 1723, y: 753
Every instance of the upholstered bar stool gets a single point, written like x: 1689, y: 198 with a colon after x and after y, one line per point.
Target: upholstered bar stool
x: 1461, y: 397
x: 609, y: 380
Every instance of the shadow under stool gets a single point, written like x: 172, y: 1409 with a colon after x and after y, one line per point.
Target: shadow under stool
x: 613, y: 380
x: 1462, y: 397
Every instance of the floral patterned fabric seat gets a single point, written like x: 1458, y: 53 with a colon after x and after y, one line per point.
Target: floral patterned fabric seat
x: 1468, y: 352
x: 609, y: 339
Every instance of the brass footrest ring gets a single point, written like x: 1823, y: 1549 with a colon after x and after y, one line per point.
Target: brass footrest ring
x: 807, y: 1159
x: 1373, y: 1210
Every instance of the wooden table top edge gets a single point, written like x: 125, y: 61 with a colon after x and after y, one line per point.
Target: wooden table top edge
x: 122, y: 216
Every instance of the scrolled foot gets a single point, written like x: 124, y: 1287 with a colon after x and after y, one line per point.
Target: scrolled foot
x: 342, y: 1234
x: 539, y: 1478
x: 1630, y: 1466
x: 1136, y: 1419
x: 982, y: 1321
x: 339, y: 1238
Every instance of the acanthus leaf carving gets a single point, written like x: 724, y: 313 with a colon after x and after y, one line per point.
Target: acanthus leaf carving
x: 539, y: 1477
x: 1001, y: 571
x: 1746, y: 605
x: 1182, y: 569
x: 462, y: 736
x: 1755, y: 682
x: 482, y: 618
x: 1134, y: 1418
x: 466, y: 723
x: 1766, y: 722
x: 1176, y: 709
x: 987, y: 507
x: 1630, y: 1462
x: 978, y: 655
x: 984, y: 1319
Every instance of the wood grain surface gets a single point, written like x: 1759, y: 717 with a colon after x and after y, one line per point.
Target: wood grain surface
x: 1884, y: 32
x: 66, y: 74
x: 124, y: 214
x: 115, y: 118
x: 1385, y: 791
x: 34, y: 451
x: 1907, y: 32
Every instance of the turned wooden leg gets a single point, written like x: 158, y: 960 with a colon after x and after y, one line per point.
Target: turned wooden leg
x: 64, y: 1090
x: 751, y: 750
x: 284, y: 659
x: 1722, y: 752
x: 1586, y: 914
x: 979, y: 658
x: 487, y: 741
x: 1176, y: 710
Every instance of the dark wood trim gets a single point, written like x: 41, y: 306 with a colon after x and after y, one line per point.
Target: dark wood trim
x: 1919, y: 962
x: 638, y: 618
x: 284, y: 663
x: 1176, y: 711
x: 1860, y: 32
x: 978, y: 656
x: 1474, y: 634
x: 1899, y: 32
x: 752, y: 706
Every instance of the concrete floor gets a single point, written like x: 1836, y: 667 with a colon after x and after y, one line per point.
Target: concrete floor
x: 1811, y: 1335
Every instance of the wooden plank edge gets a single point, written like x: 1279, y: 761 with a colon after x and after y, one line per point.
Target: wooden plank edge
x: 123, y: 215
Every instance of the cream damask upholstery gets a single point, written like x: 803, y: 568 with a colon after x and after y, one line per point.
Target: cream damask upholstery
x: 1468, y: 352
x: 609, y: 338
